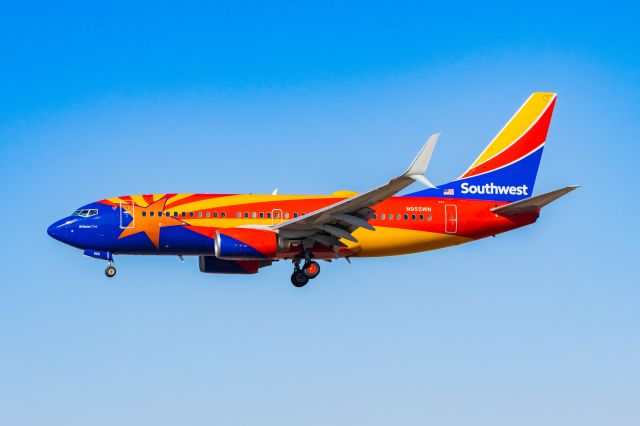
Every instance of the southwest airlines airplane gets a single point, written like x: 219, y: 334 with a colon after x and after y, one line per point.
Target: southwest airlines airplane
x: 241, y: 233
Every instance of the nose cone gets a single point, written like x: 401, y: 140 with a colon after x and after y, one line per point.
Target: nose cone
x: 59, y: 230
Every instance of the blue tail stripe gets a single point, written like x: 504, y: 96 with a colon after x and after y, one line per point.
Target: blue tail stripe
x: 511, y: 183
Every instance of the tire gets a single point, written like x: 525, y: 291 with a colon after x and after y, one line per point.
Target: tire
x: 311, y: 269
x: 299, y: 279
x: 110, y: 271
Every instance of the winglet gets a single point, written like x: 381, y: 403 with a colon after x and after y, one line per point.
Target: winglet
x: 419, y: 166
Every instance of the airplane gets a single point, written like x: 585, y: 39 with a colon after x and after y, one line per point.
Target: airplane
x: 241, y: 233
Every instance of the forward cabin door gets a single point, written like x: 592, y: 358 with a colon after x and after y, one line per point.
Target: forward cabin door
x: 450, y: 218
x: 127, y: 217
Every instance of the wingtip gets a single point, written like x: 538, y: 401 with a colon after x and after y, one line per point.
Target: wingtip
x: 421, y: 162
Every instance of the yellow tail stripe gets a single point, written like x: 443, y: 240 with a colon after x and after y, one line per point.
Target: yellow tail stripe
x: 526, y: 116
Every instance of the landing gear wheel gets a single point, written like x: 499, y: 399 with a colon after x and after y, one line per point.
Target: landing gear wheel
x: 110, y: 271
x: 311, y: 269
x: 299, y: 279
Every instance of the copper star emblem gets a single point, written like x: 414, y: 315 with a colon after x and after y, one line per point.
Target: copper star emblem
x: 147, y: 223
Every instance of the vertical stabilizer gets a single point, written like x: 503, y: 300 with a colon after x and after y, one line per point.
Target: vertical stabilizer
x: 506, y: 170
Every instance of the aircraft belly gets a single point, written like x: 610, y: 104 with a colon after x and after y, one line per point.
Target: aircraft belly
x: 385, y: 241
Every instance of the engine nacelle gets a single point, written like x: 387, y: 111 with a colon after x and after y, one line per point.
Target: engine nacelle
x: 213, y: 265
x: 247, y: 244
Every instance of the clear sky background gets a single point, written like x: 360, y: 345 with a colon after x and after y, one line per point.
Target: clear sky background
x: 98, y: 99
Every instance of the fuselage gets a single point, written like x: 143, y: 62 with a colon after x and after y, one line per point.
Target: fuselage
x: 241, y: 233
x: 185, y: 224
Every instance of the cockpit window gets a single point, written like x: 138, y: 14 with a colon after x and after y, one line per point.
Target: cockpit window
x: 85, y: 212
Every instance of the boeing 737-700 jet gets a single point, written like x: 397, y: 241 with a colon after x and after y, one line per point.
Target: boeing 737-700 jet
x: 241, y: 233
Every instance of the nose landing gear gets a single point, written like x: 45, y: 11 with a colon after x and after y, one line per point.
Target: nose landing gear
x: 110, y: 271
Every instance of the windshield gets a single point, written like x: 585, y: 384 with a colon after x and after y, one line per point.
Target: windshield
x: 85, y: 212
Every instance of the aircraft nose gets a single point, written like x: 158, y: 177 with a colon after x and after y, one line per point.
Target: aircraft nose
x: 58, y: 230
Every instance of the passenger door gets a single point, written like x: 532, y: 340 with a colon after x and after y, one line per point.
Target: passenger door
x: 127, y: 214
x: 450, y: 218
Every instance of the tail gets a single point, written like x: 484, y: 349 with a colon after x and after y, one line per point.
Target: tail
x: 506, y: 170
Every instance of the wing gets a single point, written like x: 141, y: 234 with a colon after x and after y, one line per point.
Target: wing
x: 331, y: 223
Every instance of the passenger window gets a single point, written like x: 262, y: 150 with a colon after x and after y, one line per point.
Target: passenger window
x: 190, y: 214
x: 413, y: 217
x: 295, y: 215
x: 276, y: 215
x: 254, y: 215
x: 184, y: 214
x: 175, y: 214
x: 223, y: 214
x: 215, y: 214
x: 405, y: 217
x: 159, y: 214
x: 268, y: 215
x: 208, y: 214
x: 144, y: 214
x: 429, y: 217
x: 421, y: 217
x: 383, y: 216
x: 286, y: 215
x: 199, y: 214
x: 261, y: 215
x: 151, y: 214
x: 390, y: 216
x: 398, y: 217
x: 246, y: 215
x: 238, y: 215
x: 167, y: 214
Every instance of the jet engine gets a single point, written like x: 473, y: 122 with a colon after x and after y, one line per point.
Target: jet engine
x: 248, y: 244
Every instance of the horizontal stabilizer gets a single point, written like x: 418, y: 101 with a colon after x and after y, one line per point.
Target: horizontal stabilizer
x: 533, y: 204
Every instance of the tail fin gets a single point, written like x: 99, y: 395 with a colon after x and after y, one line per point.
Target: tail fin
x: 506, y: 169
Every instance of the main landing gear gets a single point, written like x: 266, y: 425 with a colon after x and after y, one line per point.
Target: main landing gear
x: 301, y: 276
x: 110, y: 271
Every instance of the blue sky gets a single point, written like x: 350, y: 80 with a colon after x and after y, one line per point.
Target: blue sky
x: 538, y: 326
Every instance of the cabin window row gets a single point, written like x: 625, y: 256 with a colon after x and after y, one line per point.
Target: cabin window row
x: 267, y: 215
x: 215, y: 214
x: 390, y: 216
x: 185, y: 214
